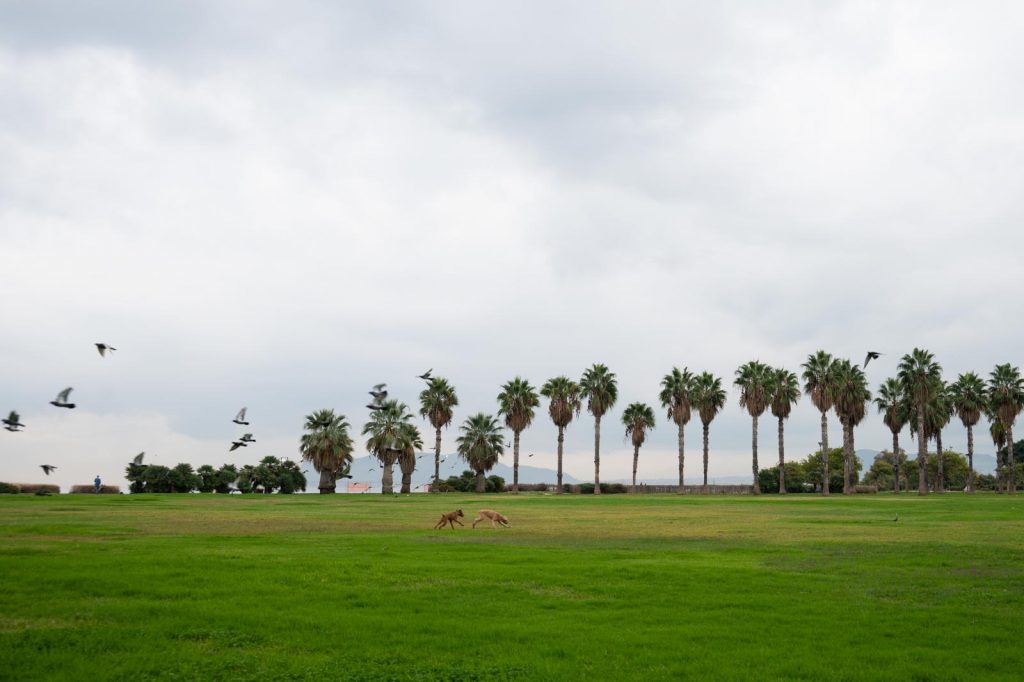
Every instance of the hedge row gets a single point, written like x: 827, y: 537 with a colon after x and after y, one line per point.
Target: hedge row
x: 91, y: 489
x: 29, y: 488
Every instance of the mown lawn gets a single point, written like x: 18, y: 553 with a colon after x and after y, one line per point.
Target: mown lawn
x: 612, y: 587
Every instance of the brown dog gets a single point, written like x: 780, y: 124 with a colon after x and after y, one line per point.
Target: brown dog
x: 451, y: 518
x: 492, y: 516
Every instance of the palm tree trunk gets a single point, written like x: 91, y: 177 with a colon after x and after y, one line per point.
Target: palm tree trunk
x: 437, y: 455
x: 327, y: 483
x: 597, y: 455
x: 847, y: 455
x: 705, y: 455
x: 682, y: 459
x: 896, y: 461
x: 636, y: 456
x: 406, y: 482
x: 1011, y: 467
x: 756, y: 487
x: 853, y: 461
x: 824, y: 453
x: 922, y: 453
x: 481, y: 484
x: 561, y: 443
x: 782, y: 459
x: 387, y: 479
x: 970, y: 459
x: 940, y: 478
x: 515, y: 461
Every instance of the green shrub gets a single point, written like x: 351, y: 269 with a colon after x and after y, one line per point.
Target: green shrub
x: 495, y: 484
x: 46, y: 488
x: 91, y: 489
x: 606, y: 488
x: 9, y: 488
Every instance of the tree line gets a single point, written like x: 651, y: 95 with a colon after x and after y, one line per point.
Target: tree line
x: 918, y: 397
x: 269, y: 476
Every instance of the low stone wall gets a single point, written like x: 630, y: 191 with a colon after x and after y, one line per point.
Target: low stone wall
x: 687, y: 490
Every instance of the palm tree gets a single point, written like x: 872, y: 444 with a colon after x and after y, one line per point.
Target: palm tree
x: 564, y: 396
x: 919, y: 375
x: 968, y: 397
x: 1006, y: 396
x: 754, y: 381
x: 940, y: 412
x: 391, y: 433
x: 600, y: 388
x: 675, y: 396
x: 516, y: 403
x: 327, y: 446
x: 817, y: 376
x: 638, y: 419
x: 850, y: 394
x: 708, y: 398
x: 892, y: 405
x: 436, y: 403
x: 784, y: 393
x: 407, y: 459
x: 480, y: 444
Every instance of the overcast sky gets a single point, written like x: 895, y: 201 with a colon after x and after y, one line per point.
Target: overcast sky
x: 280, y: 204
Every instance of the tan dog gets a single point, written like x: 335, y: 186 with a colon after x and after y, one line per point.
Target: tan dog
x: 451, y: 518
x: 492, y: 516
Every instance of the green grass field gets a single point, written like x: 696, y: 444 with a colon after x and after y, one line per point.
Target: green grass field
x: 183, y: 587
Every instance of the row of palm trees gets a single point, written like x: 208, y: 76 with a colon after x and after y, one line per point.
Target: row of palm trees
x: 917, y: 397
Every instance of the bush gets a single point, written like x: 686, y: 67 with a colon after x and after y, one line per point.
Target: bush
x: 865, y: 488
x: 984, y: 482
x: 495, y: 484
x: 36, y: 488
x: 9, y: 489
x: 91, y: 489
x: 606, y: 488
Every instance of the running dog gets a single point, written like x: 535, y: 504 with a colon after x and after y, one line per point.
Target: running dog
x: 493, y: 516
x: 451, y: 518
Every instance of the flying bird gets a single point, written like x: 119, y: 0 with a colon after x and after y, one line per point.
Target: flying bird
x: 379, y: 396
x: 47, y: 468
x: 240, y: 417
x: 13, y: 421
x: 426, y: 375
x: 371, y: 406
x: 62, y: 399
x: 138, y: 458
x: 530, y: 455
x: 103, y: 348
x: 237, y: 444
x: 247, y: 438
x: 379, y: 387
x: 872, y: 355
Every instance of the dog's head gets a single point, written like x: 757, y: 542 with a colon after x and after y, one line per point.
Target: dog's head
x: 503, y: 519
x: 459, y: 512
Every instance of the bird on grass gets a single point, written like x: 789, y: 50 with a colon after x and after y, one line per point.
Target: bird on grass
x: 103, y: 348
x: 872, y: 355
x: 240, y: 417
x: 62, y: 399
x: 247, y: 438
x: 897, y: 518
x: 13, y: 422
x: 426, y: 375
x: 237, y: 444
x: 138, y: 458
x: 47, y: 468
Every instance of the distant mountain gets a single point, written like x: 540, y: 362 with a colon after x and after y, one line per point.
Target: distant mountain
x: 367, y: 470
x: 983, y: 463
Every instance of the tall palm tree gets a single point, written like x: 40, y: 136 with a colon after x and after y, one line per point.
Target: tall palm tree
x: 850, y: 395
x: 968, y: 396
x: 516, y: 403
x: 327, y: 446
x: 1006, y: 396
x: 708, y: 398
x: 564, y: 396
x: 785, y: 393
x: 481, y: 444
x: 675, y: 397
x: 919, y: 375
x: 754, y: 381
x: 817, y: 376
x: 391, y: 432
x: 437, y: 401
x: 601, y: 390
x: 937, y: 413
x: 892, y: 405
x: 638, y: 419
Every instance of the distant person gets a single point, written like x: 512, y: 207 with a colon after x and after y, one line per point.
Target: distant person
x: 98, y: 484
